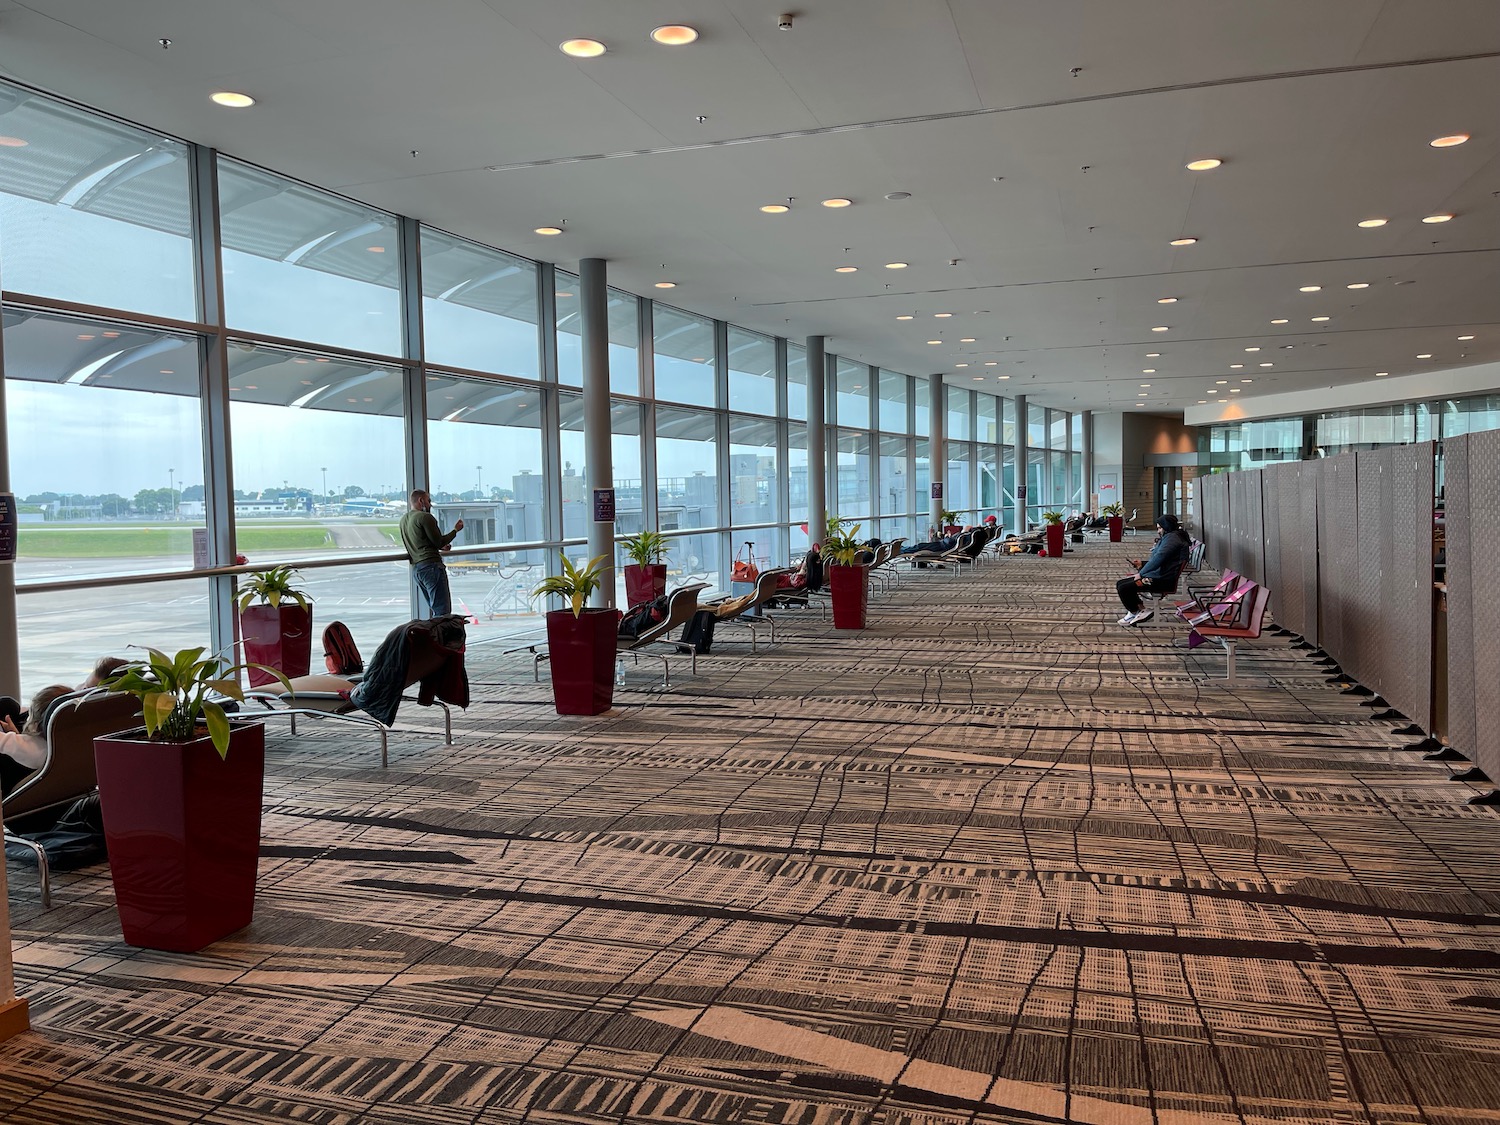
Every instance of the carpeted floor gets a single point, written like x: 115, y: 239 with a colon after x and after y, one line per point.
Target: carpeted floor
x: 995, y: 859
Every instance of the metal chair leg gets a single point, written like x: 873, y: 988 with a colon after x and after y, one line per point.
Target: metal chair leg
x: 43, y: 869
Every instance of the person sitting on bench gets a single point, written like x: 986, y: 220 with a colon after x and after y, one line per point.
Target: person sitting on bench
x: 1158, y: 574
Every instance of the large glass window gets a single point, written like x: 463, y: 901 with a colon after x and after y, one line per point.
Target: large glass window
x: 1008, y: 421
x: 893, y: 396
x: 479, y: 307
x: 921, y: 393
x: 623, y: 312
x: 986, y: 429
x: 1036, y: 426
x: 853, y: 489
x: 317, y: 449
x: 684, y: 356
x: 485, y: 453
x: 93, y: 211
x: 625, y: 469
x: 106, y: 452
x: 687, y: 483
x: 895, y: 475
x: 752, y: 372
x: 958, y: 414
x: 853, y: 382
x: 170, y: 616
x: 307, y: 265
x: 922, y: 478
x: 797, y: 472
x: 1059, y: 466
x: 960, y: 493
x: 752, y: 471
x: 1057, y: 429
x: 796, y: 382
x: 988, y: 467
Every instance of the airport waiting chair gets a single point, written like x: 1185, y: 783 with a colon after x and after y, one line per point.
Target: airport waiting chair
x: 1246, y: 627
x: 682, y: 603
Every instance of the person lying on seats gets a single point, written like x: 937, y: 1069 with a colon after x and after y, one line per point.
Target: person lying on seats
x: 935, y: 546
x: 1158, y: 574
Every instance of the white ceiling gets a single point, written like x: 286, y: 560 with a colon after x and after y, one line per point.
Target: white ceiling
x: 1313, y: 106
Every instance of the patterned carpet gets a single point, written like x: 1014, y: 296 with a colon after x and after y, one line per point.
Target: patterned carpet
x: 995, y: 859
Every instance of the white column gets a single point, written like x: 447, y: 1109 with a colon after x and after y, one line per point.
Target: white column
x: 817, y: 452
x: 593, y: 301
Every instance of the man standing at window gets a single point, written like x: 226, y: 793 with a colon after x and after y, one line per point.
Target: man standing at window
x: 425, y: 544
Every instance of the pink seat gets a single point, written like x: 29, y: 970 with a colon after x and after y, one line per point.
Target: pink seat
x: 1248, y: 627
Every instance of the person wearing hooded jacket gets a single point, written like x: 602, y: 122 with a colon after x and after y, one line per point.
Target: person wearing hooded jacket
x: 1158, y: 574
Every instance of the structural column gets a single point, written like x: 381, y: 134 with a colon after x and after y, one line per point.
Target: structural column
x: 937, y: 451
x: 594, y: 324
x: 817, y: 451
x: 1088, y: 460
x: 1022, y: 456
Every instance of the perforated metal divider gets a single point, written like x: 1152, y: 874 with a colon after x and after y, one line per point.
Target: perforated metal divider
x: 1471, y: 482
x: 1406, y: 588
x: 1305, y: 521
x: 1364, y: 618
x: 1249, y: 518
x: 1270, y: 506
x: 1338, y: 555
x: 1284, y: 554
x: 1215, y: 492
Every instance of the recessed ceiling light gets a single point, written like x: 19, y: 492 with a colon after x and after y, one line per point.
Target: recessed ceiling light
x: 1002, y: 376
x: 1182, y: 241
x: 837, y: 202
x: 1140, y: 404
x: 1381, y: 374
x: 942, y: 316
x: 1320, y: 319
x: 1425, y: 355
x: 1213, y: 390
x: 1144, y: 386
x: 846, y: 269
x: 1153, y: 355
x: 1282, y: 320
x: 1373, y: 222
x: 85, y: 335
x: 1255, y: 349
x: 904, y: 316
x: 1203, y: 402
x: 934, y: 341
x: 1358, y: 285
x: 992, y: 363
x: 1309, y: 288
x: 232, y: 99
x: 1234, y: 366
x: 1161, y: 328
x: 970, y: 339
x: 581, y: 48
x: 549, y: 230
x: 1208, y: 163
x: 893, y: 196
x: 1221, y: 382
x: 375, y: 249
x: 1461, y: 337
x: 977, y: 378
x: 13, y: 142
x: 1166, y: 300
x: 775, y: 208
x: 666, y: 285
x: 896, y: 265
x: 960, y: 365
x: 1266, y: 365
x: 675, y: 34
x: 1148, y: 371
x: 1449, y: 141
x: 1234, y: 390
x: 1247, y: 380
x: 1441, y: 218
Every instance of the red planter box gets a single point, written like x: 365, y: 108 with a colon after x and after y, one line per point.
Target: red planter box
x: 644, y: 583
x: 1116, y: 528
x: 581, y: 652
x: 850, y: 588
x: 1055, y: 540
x: 279, y: 637
x: 183, y: 830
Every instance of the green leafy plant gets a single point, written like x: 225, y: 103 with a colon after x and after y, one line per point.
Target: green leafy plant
x: 645, y: 548
x: 840, y: 545
x: 575, y: 583
x: 174, y: 693
x: 270, y: 587
x: 947, y: 517
x: 1113, y: 510
x: 1052, y: 517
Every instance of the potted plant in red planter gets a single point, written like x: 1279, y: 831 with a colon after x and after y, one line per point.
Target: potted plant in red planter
x: 848, y: 579
x: 580, y: 642
x: 646, y: 574
x: 1114, y: 519
x: 276, y: 631
x: 181, y: 803
x: 1054, y: 534
x: 949, y: 520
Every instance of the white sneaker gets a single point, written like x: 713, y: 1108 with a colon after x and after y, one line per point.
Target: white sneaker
x: 1128, y: 619
x: 1144, y: 615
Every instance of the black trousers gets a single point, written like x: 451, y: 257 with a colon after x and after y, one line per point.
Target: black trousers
x: 1130, y: 593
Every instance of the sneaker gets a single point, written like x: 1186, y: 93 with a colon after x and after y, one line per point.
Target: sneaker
x: 1128, y: 619
x: 1144, y: 615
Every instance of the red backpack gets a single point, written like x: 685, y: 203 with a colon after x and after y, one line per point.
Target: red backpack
x: 340, y: 653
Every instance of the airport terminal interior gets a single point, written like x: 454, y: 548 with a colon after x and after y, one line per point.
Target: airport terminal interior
x: 1028, y: 283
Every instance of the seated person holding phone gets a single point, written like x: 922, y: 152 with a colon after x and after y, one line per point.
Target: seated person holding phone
x: 1158, y: 573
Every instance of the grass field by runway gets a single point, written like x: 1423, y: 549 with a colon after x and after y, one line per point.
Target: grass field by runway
x: 104, y: 541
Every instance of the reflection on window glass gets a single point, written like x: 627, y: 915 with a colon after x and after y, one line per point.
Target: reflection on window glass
x: 318, y: 456
x: 307, y: 265
x: 375, y: 598
x: 921, y: 394
x: 684, y: 356
x: 960, y: 494
x: 485, y: 451
x: 106, y: 453
x: 752, y: 471
x: 854, y: 486
x: 895, y: 475
x: 479, y: 307
x: 1057, y: 423
x: 623, y: 311
x: 958, y: 415
x: 93, y: 211
x: 985, y: 429
x: 170, y: 616
x: 696, y: 558
x: 1008, y: 421
x: 988, y: 469
x: 1059, y: 465
x: 853, y: 384
x: 797, y: 471
x: 752, y: 372
x: 893, y: 394
x: 625, y: 469
x: 922, y: 477
x: 686, y: 470
x: 796, y: 382
x: 1036, y: 426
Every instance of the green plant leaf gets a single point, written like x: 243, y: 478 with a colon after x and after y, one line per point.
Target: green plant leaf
x: 218, y: 727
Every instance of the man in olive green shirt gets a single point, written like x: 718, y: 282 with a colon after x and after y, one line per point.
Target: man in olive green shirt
x: 425, y: 544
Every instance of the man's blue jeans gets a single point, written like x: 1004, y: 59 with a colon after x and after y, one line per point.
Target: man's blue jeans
x: 432, y: 580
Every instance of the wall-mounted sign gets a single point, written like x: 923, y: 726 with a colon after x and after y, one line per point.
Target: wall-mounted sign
x: 8, y: 524
x: 604, y: 505
x: 937, y: 490
x: 200, y: 548
x: 1020, y: 492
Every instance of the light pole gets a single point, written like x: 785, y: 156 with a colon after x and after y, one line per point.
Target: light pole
x: 172, y: 490
x: 325, y: 484
x: 479, y: 480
